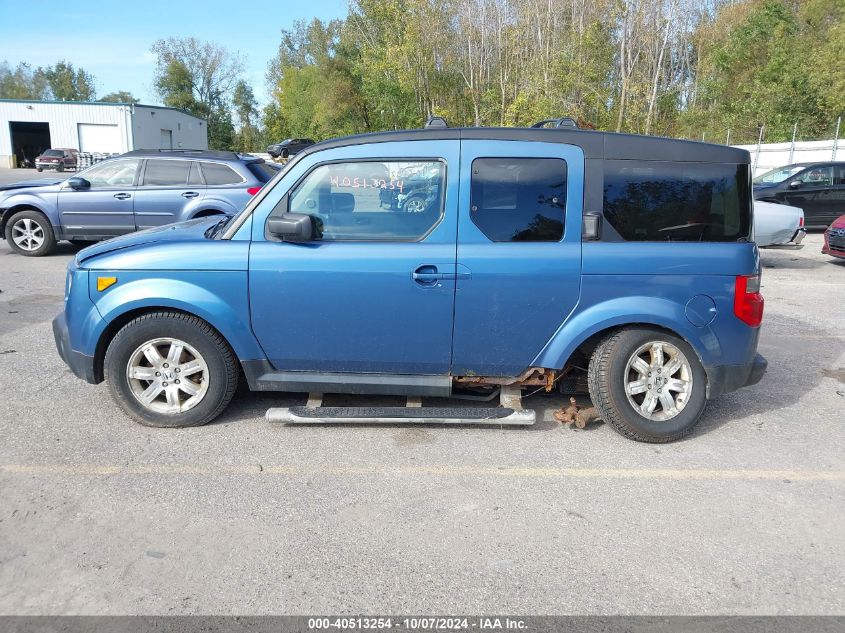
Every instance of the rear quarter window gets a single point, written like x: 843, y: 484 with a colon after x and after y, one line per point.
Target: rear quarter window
x: 220, y: 174
x: 262, y: 171
x: 655, y: 201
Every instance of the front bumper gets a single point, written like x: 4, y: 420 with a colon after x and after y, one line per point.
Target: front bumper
x: 80, y: 364
x: 727, y: 378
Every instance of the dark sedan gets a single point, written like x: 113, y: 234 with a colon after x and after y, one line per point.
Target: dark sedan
x: 817, y: 188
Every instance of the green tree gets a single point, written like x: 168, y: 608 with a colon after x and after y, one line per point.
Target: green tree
x: 121, y: 96
x: 197, y: 77
x: 67, y: 83
x: 314, y: 86
x: 246, y: 111
x: 22, y: 83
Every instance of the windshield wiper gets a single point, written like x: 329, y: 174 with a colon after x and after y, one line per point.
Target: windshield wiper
x: 215, y: 229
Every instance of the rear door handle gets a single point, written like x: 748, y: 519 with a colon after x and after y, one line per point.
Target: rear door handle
x: 427, y: 274
x: 122, y: 196
x: 190, y: 194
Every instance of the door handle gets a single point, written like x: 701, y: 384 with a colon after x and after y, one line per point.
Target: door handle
x: 190, y: 194
x: 427, y: 275
x: 122, y: 196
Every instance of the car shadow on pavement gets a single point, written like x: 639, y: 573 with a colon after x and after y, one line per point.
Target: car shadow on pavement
x: 62, y: 249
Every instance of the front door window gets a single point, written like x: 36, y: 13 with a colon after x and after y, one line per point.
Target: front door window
x: 373, y: 200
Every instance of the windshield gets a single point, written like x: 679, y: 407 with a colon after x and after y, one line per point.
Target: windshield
x: 777, y: 175
x: 54, y: 152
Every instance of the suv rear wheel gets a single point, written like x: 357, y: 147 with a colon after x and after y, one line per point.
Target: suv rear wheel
x: 647, y: 384
x: 170, y: 369
x: 30, y: 233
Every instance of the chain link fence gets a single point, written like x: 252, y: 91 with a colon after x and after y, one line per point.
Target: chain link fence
x: 767, y: 156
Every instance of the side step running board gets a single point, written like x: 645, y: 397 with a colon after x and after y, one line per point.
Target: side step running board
x: 511, y: 413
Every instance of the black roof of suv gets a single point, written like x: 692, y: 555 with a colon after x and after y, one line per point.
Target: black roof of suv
x: 213, y: 154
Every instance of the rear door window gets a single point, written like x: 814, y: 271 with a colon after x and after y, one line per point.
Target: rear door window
x: 519, y: 199
x: 656, y: 201
x: 166, y: 173
x: 194, y: 177
x: 220, y: 174
x: 817, y: 176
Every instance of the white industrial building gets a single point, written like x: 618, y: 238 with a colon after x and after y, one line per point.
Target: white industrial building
x: 29, y: 127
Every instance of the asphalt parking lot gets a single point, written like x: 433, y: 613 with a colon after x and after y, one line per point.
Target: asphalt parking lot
x: 99, y: 515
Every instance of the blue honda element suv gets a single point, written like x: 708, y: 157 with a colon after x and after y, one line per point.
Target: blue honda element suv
x: 529, y: 255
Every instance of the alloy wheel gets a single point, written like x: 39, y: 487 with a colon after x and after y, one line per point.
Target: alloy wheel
x: 658, y: 381
x: 27, y: 234
x: 167, y: 375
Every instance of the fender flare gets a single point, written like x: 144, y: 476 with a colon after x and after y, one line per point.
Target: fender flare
x: 12, y: 203
x: 628, y: 311
x: 207, y: 203
x: 132, y: 297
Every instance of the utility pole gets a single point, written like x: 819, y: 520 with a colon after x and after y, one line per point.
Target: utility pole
x: 792, y: 147
x: 759, y: 143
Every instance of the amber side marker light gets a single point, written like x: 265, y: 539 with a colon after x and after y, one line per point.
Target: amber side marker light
x: 105, y: 282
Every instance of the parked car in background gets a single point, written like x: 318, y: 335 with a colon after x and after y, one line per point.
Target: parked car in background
x: 817, y: 188
x: 546, y: 251
x: 60, y: 159
x: 414, y: 190
x: 137, y: 190
x: 777, y: 224
x: 288, y: 147
x: 834, y: 238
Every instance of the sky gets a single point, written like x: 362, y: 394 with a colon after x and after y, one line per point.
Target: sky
x: 112, y: 39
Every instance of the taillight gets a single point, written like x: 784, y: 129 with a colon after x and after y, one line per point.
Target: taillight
x: 801, y: 221
x: 748, y: 302
x: 253, y: 190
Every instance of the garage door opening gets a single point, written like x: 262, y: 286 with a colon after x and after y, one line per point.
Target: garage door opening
x: 28, y: 141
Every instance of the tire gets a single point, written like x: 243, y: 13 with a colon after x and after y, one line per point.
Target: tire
x: 611, y: 371
x: 414, y: 204
x: 34, y: 233
x: 60, y: 168
x: 285, y: 153
x: 212, y: 385
x: 39, y: 169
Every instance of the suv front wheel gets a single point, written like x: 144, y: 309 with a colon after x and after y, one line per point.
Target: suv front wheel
x: 647, y: 384
x: 170, y: 369
x: 30, y: 233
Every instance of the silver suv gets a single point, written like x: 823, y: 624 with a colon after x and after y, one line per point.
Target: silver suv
x: 137, y: 190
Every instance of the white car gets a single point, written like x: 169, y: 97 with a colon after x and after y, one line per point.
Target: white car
x: 777, y: 224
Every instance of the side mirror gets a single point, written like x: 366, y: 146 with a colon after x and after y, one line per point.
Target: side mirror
x: 591, y: 227
x: 795, y: 184
x: 78, y: 183
x: 292, y: 227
